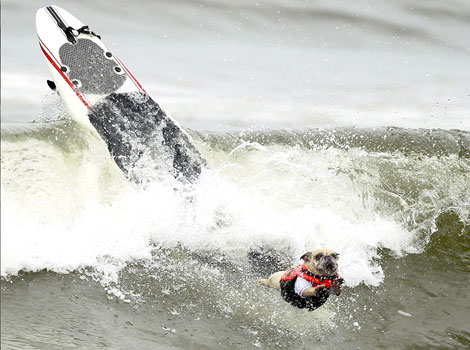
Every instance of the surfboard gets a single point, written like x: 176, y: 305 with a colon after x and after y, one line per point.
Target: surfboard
x: 99, y: 90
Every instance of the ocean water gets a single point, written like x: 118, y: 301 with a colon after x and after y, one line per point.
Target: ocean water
x: 339, y: 125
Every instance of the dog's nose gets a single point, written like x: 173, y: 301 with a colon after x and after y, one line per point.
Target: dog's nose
x: 330, y: 263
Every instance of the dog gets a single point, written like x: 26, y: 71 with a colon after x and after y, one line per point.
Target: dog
x: 318, y: 276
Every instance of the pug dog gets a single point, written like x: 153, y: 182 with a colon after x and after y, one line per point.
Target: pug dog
x: 310, y: 284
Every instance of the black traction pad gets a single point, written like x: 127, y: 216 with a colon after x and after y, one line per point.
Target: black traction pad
x: 87, y: 65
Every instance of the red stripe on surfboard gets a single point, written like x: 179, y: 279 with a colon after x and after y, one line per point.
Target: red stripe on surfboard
x: 50, y: 53
x: 133, y: 78
x: 62, y: 74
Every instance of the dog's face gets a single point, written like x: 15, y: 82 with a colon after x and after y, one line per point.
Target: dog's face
x: 322, y: 262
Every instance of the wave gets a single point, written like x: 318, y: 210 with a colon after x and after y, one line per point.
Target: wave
x: 429, y: 142
x: 395, y: 202
x: 67, y: 206
x: 16, y: 129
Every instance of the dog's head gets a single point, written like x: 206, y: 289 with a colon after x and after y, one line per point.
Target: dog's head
x: 321, y: 262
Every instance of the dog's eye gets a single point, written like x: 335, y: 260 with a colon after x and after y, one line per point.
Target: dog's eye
x: 335, y: 255
x: 318, y: 256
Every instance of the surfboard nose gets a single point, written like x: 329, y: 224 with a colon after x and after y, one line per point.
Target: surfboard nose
x: 41, y: 16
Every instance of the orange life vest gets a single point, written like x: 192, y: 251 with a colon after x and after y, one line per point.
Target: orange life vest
x: 302, y: 271
x: 288, y: 289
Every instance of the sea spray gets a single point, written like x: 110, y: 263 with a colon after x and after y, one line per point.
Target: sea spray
x: 290, y: 198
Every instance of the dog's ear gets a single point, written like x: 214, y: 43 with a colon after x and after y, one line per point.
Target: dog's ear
x: 306, y: 256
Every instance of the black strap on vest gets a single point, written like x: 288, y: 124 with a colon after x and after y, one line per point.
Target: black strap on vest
x: 321, y: 278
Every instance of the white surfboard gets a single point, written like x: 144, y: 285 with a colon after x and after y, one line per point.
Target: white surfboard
x: 97, y: 88
x: 82, y: 67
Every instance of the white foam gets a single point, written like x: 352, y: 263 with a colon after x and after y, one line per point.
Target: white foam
x: 403, y: 313
x: 285, y: 198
